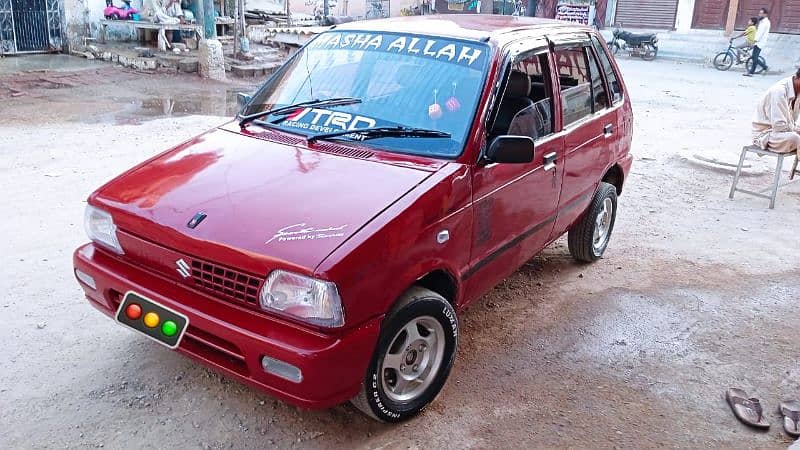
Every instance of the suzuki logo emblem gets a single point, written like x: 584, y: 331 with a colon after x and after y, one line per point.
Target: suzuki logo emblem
x: 183, y: 268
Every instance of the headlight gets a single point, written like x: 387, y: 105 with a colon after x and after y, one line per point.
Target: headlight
x: 313, y: 301
x: 101, y: 229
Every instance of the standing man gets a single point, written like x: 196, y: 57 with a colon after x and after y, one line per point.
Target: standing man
x: 761, y: 40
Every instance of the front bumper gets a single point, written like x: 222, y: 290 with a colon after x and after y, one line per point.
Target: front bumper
x: 232, y: 340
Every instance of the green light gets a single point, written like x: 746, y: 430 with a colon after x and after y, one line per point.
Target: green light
x: 169, y: 328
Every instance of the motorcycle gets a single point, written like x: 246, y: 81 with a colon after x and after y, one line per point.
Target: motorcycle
x: 643, y: 45
x: 115, y: 13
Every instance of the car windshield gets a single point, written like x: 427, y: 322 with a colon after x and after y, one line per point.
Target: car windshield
x: 397, y: 80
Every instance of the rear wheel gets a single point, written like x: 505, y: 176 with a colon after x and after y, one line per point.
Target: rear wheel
x: 649, y: 52
x: 749, y: 64
x: 723, y: 61
x: 412, y: 360
x: 589, y: 237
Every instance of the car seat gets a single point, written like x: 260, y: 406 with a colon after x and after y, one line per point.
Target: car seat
x: 514, y: 100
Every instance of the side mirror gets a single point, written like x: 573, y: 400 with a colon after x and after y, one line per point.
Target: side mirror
x: 243, y: 99
x: 510, y: 150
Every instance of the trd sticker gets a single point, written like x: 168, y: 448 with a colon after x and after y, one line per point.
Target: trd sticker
x: 326, y: 121
x: 304, y: 232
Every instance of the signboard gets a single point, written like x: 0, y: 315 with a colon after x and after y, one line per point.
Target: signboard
x: 573, y: 13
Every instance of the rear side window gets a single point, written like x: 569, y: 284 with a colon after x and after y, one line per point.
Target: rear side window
x: 599, y: 94
x: 611, y: 76
x: 576, y: 85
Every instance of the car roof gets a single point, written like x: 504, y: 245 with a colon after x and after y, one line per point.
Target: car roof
x: 485, y: 27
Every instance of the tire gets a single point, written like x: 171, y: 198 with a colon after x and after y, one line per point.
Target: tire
x: 650, y: 51
x: 587, y: 240
x: 614, y: 48
x: 114, y: 16
x: 749, y: 64
x: 723, y: 61
x: 430, y: 355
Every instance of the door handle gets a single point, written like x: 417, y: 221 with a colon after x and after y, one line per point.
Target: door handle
x: 550, y: 161
x: 608, y: 130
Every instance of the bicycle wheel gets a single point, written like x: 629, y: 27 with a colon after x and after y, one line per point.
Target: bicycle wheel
x: 749, y: 64
x: 723, y: 61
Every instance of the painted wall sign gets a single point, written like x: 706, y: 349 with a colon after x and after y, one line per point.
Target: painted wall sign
x: 573, y: 13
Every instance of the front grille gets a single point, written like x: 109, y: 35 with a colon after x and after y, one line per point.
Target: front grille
x: 344, y: 151
x: 226, y: 283
x: 279, y: 137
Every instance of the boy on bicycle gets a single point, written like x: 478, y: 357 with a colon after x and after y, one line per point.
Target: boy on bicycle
x: 749, y: 34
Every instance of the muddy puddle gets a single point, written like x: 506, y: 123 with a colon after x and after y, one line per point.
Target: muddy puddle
x: 137, y: 109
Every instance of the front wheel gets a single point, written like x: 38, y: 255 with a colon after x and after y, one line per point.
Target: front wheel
x: 589, y: 238
x: 723, y: 61
x: 614, y: 48
x: 412, y: 360
x: 649, y: 52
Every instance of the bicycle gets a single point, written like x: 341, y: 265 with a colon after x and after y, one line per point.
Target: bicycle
x: 726, y: 59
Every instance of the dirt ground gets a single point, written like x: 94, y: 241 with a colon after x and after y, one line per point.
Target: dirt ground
x: 696, y: 294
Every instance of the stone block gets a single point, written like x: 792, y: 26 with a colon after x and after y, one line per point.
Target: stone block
x: 188, y: 65
x: 211, y: 61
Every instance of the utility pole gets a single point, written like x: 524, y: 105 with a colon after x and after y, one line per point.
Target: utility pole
x: 325, y: 11
x: 532, y: 4
x: 209, y: 22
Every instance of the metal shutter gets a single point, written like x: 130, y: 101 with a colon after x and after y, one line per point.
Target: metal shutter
x: 646, y: 13
x: 748, y: 9
x: 710, y: 14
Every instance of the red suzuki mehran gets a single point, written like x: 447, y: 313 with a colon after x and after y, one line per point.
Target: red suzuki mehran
x: 321, y: 246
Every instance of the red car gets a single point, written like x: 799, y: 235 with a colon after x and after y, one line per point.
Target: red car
x: 321, y: 246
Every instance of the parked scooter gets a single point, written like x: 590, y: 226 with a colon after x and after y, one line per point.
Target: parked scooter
x: 643, y: 45
x: 114, y: 13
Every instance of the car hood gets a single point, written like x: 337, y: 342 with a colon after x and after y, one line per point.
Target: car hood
x: 266, y: 204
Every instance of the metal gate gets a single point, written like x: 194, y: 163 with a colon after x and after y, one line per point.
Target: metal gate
x: 377, y: 9
x: 30, y: 26
x: 710, y: 14
x: 783, y: 14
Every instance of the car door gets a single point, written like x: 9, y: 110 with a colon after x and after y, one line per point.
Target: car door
x: 589, y: 126
x: 514, y: 205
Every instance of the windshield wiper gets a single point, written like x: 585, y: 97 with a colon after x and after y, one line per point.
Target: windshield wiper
x: 285, y: 110
x: 379, y: 132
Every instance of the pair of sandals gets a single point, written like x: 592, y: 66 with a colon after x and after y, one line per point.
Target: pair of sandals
x: 749, y: 410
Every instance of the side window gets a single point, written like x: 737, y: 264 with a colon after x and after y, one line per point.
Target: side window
x: 611, y: 76
x: 576, y: 84
x: 599, y: 94
x: 526, y: 108
x: 536, y: 119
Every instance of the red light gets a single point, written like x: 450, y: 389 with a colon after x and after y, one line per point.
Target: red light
x: 133, y: 311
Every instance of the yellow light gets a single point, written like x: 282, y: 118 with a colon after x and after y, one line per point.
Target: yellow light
x: 151, y: 320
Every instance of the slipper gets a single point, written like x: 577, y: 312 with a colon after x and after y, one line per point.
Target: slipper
x: 790, y: 410
x: 748, y: 410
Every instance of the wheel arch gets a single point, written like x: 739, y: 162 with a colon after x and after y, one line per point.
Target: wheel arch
x: 442, y: 282
x: 615, y: 176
